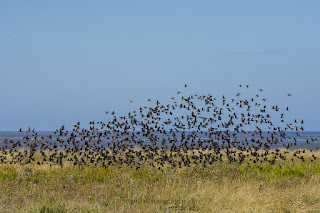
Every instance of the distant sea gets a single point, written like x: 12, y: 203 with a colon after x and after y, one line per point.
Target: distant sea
x: 301, y: 140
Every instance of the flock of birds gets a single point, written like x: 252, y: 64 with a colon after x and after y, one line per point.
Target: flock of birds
x: 189, y: 130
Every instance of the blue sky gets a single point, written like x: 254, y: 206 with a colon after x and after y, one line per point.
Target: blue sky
x: 68, y: 61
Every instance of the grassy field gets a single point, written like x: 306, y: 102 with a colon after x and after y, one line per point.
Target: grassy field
x: 287, y: 186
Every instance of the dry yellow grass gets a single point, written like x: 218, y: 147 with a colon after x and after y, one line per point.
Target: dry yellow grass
x: 222, y: 187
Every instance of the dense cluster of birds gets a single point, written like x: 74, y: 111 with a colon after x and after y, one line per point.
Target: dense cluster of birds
x: 190, y: 129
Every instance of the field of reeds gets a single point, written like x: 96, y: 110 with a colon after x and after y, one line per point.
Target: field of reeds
x: 286, y: 186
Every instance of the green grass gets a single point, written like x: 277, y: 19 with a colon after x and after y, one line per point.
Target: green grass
x: 221, y: 187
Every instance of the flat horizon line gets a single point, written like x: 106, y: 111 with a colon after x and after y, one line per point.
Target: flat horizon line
x: 17, y: 131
